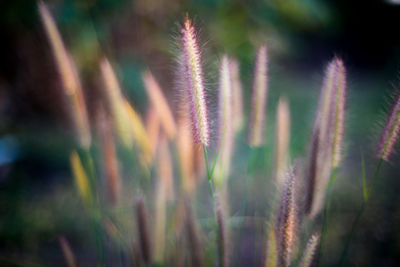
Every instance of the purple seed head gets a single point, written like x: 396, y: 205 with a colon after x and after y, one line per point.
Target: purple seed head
x: 390, y: 132
x: 259, y: 98
x: 287, y: 221
x: 309, y: 252
x: 237, y: 96
x: 193, y: 79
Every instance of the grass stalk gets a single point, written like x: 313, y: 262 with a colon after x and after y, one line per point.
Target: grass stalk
x: 325, y: 214
x: 211, y: 189
x: 360, y: 213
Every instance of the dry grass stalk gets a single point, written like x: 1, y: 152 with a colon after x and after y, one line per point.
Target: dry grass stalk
x: 69, y: 255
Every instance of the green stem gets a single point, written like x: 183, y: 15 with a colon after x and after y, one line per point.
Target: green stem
x: 325, y: 215
x: 360, y: 212
x: 210, y: 187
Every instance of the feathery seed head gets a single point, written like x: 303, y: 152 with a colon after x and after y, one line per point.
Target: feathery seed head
x: 309, y: 252
x: 287, y: 221
x: 193, y: 83
x: 259, y: 98
x: 390, y: 133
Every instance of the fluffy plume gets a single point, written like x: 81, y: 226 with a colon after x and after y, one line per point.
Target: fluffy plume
x: 259, y: 98
x: 144, y: 231
x: 225, y: 123
x: 237, y: 95
x: 282, y: 139
x: 160, y: 104
x: 308, y: 256
x: 81, y: 179
x: 69, y: 77
x: 193, y: 83
x: 271, y: 259
x: 67, y: 252
x: 326, y: 143
x: 287, y: 221
x: 115, y: 102
x: 390, y: 133
x: 139, y: 133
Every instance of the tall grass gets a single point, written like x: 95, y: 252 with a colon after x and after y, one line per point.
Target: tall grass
x: 175, y: 150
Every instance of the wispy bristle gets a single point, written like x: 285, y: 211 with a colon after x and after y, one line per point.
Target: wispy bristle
x: 144, y: 231
x: 271, y: 258
x: 69, y: 76
x: 308, y: 256
x: 81, y: 179
x: 282, y: 139
x: 115, y: 102
x: 69, y: 255
x: 287, y: 221
x: 390, y: 132
x: 225, y: 123
x: 160, y: 104
x: 259, y: 98
x: 237, y: 95
x: 194, y: 85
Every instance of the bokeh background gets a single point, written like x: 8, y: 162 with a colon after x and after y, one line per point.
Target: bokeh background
x: 38, y: 200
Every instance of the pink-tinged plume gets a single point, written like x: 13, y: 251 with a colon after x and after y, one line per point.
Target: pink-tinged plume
x: 326, y: 144
x: 390, y: 133
x: 259, y: 99
x: 193, y: 83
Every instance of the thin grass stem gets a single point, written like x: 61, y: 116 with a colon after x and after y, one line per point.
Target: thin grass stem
x: 360, y: 212
x: 325, y: 215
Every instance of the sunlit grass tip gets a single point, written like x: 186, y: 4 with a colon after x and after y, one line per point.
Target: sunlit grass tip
x: 115, y: 101
x: 225, y: 122
x: 69, y: 78
x: 282, y: 139
x: 259, y: 98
